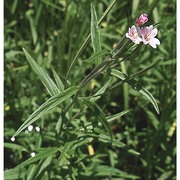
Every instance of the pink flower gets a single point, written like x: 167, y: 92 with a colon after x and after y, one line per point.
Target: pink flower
x: 142, y: 19
x: 148, y: 36
x: 133, y: 35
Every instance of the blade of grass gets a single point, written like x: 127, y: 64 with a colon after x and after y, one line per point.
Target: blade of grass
x: 29, y: 14
x: 52, y: 5
x: 125, y: 88
x: 134, y: 7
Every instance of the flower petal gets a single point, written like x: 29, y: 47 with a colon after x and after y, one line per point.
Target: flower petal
x: 156, y: 41
x: 153, y: 42
x: 153, y: 33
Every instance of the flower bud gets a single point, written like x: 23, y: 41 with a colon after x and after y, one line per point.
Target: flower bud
x: 142, y: 19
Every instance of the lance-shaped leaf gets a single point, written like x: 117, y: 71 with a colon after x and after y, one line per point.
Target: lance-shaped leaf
x: 44, y: 77
x: 106, y: 139
x: 95, y: 34
x: 137, y: 87
x: 98, y: 94
x: 45, y: 153
x: 44, y: 108
x: 116, y: 116
x: 58, y: 81
x: 14, y: 146
x: 109, y: 118
x: 42, y: 167
x: 100, y: 116
x: 103, y: 170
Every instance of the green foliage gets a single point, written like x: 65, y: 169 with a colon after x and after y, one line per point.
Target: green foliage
x: 100, y: 106
x: 95, y: 34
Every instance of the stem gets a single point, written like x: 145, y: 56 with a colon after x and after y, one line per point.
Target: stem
x: 127, y: 79
x: 122, y: 48
x: 99, y: 69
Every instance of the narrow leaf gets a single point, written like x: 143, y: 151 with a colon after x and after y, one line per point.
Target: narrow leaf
x: 52, y: 5
x: 43, y: 154
x: 103, y: 170
x: 106, y: 139
x: 137, y: 87
x: 42, y: 167
x: 100, y: 116
x: 100, y: 92
x: 16, y: 173
x: 14, y: 146
x: 150, y: 97
x: 109, y: 118
x: 115, y: 116
x: 58, y: 81
x: 44, y: 108
x: 44, y: 77
x: 66, y: 149
x: 95, y: 34
x: 19, y: 171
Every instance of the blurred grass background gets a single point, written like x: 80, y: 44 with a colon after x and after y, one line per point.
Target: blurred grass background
x: 54, y: 31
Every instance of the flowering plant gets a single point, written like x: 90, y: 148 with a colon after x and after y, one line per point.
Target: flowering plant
x: 74, y: 127
x: 144, y: 34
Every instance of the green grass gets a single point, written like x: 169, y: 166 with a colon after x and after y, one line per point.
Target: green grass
x: 59, y: 77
